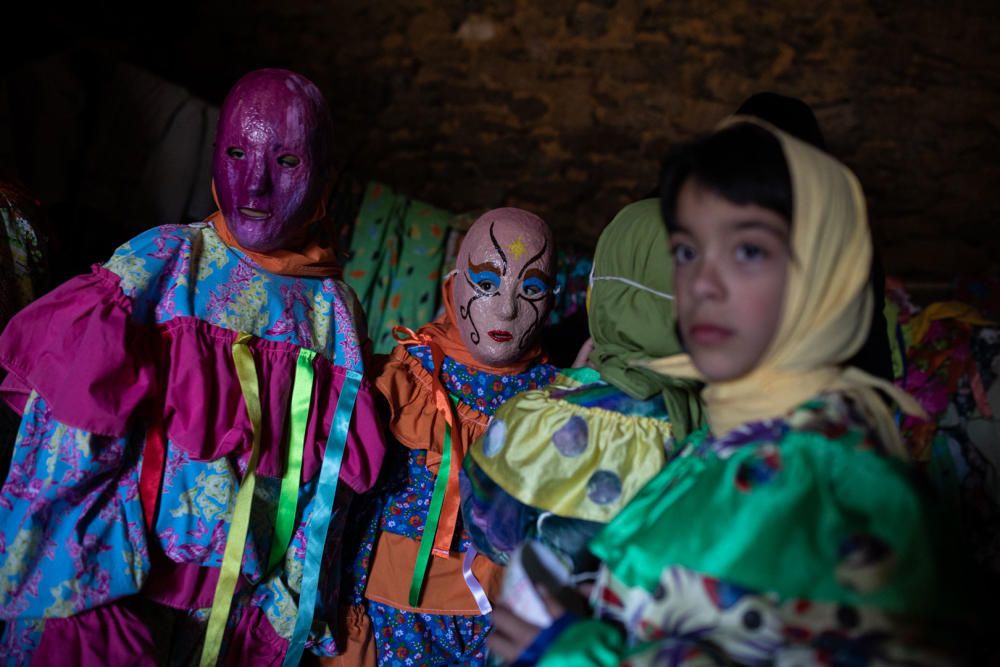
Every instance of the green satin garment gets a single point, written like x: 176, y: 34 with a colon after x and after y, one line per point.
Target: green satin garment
x: 807, y: 512
x: 817, y: 526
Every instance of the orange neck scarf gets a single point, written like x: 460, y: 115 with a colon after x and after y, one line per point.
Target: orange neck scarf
x: 315, y: 259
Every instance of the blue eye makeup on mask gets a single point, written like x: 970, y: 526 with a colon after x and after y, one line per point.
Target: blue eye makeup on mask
x: 534, y: 286
x: 485, y: 281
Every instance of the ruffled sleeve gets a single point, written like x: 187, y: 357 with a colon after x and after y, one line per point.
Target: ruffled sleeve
x: 75, y: 346
x: 574, y: 461
x: 815, y: 516
x: 414, y: 419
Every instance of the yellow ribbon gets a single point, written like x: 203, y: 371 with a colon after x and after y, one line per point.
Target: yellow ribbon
x: 240, y: 523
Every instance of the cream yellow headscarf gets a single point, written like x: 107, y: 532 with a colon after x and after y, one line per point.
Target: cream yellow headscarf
x: 826, y: 312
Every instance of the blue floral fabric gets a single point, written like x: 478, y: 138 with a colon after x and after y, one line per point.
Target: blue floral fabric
x: 400, y: 506
x: 483, y: 392
x: 428, y: 640
x: 187, y: 271
x: 57, y: 485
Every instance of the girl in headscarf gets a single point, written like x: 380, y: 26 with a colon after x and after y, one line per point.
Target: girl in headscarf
x: 558, y: 463
x: 790, y: 530
x: 793, y: 116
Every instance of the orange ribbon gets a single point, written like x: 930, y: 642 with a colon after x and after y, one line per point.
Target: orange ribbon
x: 452, y: 500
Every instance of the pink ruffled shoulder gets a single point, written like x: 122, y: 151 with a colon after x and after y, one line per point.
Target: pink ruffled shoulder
x: 100, y: 371
x: 76, y: 348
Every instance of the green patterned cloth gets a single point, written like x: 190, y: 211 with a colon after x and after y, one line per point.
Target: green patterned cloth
x: 397, y: 253
x: 23, y: 268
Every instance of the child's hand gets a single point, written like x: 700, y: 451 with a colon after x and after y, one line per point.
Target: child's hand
x: 582, y: 356
x: 511, y: 634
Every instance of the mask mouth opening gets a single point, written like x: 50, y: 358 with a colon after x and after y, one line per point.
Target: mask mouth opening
x: 254, y: 213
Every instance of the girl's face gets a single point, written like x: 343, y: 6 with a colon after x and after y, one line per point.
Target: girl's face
x: 730, y: 265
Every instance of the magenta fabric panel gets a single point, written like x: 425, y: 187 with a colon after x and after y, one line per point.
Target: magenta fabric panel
x: 255, y: 642
x: 110, y: 635
x: 181, y: 585
x: 14, y: 392
x: 209, y: 420
x: 74, y: 347
x: 365, y: 448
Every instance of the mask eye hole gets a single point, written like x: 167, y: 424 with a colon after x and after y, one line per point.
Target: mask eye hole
x: 235, y: 153
x: 289, y: 161
x: 534, y: 287
x: 485, y: 282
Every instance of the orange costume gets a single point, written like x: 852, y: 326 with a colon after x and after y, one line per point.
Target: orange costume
x: 433, y: 608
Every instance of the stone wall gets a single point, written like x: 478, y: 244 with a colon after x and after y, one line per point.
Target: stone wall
x: 566, y: 107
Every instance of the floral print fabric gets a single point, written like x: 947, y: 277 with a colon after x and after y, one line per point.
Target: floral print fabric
x: 72, y: 530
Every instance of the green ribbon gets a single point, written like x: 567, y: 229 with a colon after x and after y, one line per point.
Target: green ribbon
x: 433, y: 516
x: 302, y: 393
x: 232, y: 559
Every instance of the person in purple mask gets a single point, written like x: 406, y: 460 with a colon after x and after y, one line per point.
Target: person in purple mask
x: 195, y: 422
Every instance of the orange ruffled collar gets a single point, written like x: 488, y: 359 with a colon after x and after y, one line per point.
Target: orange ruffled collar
x: 420, y: 414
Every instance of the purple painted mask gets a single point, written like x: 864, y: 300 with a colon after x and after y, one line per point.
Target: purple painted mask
x: 272, y: 150
x: 504, y: 288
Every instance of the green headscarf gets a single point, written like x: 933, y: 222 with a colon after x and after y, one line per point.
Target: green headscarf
x: 631, y: 311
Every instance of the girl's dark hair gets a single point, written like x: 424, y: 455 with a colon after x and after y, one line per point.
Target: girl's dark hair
x: 786, y: 113
x: 743, y: 164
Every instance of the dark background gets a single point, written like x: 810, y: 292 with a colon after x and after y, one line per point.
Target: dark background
x: 563, y: 107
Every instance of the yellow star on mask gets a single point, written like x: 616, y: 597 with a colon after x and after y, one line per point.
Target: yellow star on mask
x: 517, y: 247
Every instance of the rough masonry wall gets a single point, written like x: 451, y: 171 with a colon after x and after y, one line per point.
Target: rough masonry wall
x: 566, y: 107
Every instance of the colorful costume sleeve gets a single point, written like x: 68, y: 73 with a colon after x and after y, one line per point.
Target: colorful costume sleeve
x: 771, y: 546
x: 76, y: 347
x: 24, y: 257
x: 182, y: 396
x: 557, y: 464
